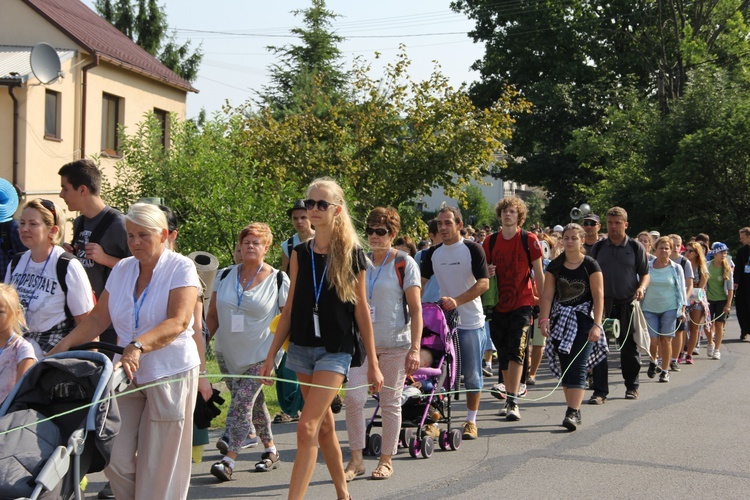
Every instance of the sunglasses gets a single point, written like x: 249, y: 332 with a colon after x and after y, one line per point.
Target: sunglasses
x: 49, y: 206
x: 590, y: 223
x: 689, y: 250
x: 379, y: 231
x: 322, y: 204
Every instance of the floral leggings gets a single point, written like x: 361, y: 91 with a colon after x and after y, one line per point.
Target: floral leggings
x: 248, y: 396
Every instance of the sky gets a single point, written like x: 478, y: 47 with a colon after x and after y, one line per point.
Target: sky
x: 235, y: 33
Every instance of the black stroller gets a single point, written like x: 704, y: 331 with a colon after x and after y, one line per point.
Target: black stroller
x: 73, y: 389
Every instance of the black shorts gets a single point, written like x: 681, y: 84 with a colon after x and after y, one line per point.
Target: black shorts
x: 510, y: 334
x: 717, y: 310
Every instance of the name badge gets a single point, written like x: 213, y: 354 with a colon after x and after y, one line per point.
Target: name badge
x: 316, y: 323
x: 372, y: 314
x: 238, y: 323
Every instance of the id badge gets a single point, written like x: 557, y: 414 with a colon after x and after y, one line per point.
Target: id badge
x: 316, y: 323
x: 238, y: 323
x: 372, y: 314
x: 747, y: 268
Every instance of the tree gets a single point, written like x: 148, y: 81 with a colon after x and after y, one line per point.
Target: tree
x: 474, y: 206
x: 147, y: 26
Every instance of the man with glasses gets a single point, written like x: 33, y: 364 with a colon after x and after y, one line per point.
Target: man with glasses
x: 591, y: 226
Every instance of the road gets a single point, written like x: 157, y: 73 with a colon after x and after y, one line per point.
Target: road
x: 682, y: 439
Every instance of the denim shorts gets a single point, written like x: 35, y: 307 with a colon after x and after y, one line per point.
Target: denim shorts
x: 471, y: 343
x: 308, y: 360
x: 661, y: 324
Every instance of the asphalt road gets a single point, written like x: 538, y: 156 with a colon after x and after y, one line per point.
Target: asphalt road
x: 683, y: 439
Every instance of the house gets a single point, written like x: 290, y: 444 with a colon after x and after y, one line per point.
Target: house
x: 106, y: 81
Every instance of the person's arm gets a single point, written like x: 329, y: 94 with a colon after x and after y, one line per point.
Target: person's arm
x: 284, y: 326
x: 362, y: 317
x: 538, y: 273
x: 204, y: 386
x: 23, y: 366
x: 89, y: 328
x: 545, y: 305
x: 689, y: 282
x: 284, y: 259
x: 477, y: 289
x: 703, y: 281
x: 212, y: 318
x: 413, y: 299
x: 596, y: 283
x: 642, y: 285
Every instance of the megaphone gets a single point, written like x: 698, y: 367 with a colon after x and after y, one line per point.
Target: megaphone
x: 207, y: 266
x: 580, y: 212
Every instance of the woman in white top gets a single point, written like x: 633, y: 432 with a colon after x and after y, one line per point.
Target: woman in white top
x: 50, y: 313
x: 149, y: 299
x: 245, y: 300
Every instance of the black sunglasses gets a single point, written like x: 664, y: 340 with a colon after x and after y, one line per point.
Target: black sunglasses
x: 322, y: 204
x: 49, y: 206
x: 379, y: 231
x: 589, y: 223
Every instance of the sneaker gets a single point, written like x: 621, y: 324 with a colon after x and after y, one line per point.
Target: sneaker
x: 250, y: 442
x: 222, y: 471
x: 470, y: 430
x: 503, y: 411
x: 531, y: 381
x: 486, y: 369
x: 689, y: 360
x: 653, y: 369
x: 106, y: 492
x: 597, y: 400
x: 710, y: 350
x: 673, y: 366
x: 572, y: 420
x: 716, y: 355
x: 514, y: 414
x: 498, y: 390
x: 223, y: 445
x: 664, y: 377
x: 681, y: 358
x: 522, y: 391
x: 268, y: 462
x: 631, y: 394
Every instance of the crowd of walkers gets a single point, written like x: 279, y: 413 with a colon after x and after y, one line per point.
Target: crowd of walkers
x: 335, y: 316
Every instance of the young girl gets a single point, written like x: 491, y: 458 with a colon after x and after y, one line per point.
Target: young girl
x: 719, y: 291
x: 16, y: 354
x: 327, y: 295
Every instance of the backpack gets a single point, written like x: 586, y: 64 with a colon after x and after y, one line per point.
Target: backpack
x: 62, y: 270
x: 107, y: 219
x: 524, y: 242
x: 400, y: 265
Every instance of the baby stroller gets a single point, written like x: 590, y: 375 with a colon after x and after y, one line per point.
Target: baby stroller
x: 434, y: 406
x: 36, y: 455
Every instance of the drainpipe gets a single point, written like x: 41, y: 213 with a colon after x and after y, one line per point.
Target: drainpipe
x: 15, y: 134
x: 84, y: 100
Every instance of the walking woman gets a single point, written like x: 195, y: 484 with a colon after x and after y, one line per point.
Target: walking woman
x: 397, y: 340
x: 326, y: 297
x: 719, y: 291
x: 244, y: 302
x: 663, y: 304
x: 697, y: 304
x: 570, y: 316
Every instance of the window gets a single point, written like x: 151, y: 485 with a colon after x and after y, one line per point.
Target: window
x: 112, y: 119
x: 163, y: 117
x: 52, y: 115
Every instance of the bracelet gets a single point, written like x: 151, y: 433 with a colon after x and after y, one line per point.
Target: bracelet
x: 545, y: 320
x: 600, y: 327
x: 203, y: 372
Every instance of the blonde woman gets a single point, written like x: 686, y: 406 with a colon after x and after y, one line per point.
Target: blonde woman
x: 697, y: 305
x: 326, y: 297
x: 719, y: 291
x: 16, y: 354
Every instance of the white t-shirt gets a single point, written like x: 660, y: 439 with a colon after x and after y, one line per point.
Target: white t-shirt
x: 41, y: 295
x: 246, y: 340
x: 387, y: 302
x: 16, y: 351
x: 172, y: 271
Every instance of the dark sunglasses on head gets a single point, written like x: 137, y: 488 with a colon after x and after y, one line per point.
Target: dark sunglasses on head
x: 322, y: 204
x: 49, y: 206
x: 591, y: 223
x: 379, y: 231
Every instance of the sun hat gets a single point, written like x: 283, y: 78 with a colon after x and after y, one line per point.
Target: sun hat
x: 8, y: 200
x: 298, y: 205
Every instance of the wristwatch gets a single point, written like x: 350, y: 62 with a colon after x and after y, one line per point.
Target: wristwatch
x: 137, y: 345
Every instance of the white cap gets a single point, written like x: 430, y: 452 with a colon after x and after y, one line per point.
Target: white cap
x: 558, y: 228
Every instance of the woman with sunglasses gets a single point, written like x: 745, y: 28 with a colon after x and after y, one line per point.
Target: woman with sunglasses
x: 697, y: 308
x: 326, y: 297
x: 719, y: 292
x: 50, y: 313
x: 397, y: 341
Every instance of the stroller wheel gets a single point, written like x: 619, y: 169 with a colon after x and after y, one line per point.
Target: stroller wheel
x: 428, y: 446
x: 376, y: 445
x: 443, y: 440
x: 455, y: 439
x: 366, y: 449
x: 409, y: 433
x: 414, y: 447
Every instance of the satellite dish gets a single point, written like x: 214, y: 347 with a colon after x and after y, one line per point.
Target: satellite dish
x: 45, y: 63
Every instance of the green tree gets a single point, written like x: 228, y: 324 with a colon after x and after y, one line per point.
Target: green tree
x: 146, y: 24
x: 475, y: 208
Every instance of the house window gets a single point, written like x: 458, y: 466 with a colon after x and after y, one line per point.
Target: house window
x: 163, y: 117
x: 112, y: 119
x: 52, y: 115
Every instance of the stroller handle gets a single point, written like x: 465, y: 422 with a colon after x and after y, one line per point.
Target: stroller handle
x: 103, y: 346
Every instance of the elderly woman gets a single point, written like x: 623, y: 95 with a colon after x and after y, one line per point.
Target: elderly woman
x: 245, y: 300
x: 397, y: 341
x: 149, y: 299
x: 36, y: 275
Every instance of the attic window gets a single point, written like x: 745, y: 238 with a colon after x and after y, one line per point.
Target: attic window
x: 112, y: 120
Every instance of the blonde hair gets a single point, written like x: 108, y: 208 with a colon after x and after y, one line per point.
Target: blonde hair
x: 344, y: 242
x: 9, y: 298
x: 149, y: 216
x: 49, y: 218
x: 700, y: 258
x: 664, y: 239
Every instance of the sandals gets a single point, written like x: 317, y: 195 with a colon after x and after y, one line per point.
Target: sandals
x: 350, y: 474
x: 384, y: 470
x: 268, y: 462
x: 283, y: 418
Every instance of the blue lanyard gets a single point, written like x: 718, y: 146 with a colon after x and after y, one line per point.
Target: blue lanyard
x: 8, y: 342
x: 317, y: 289
x: 137, y: 304
x: 39, y: 282
x: 371, y: 282
x: 241, y: 291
